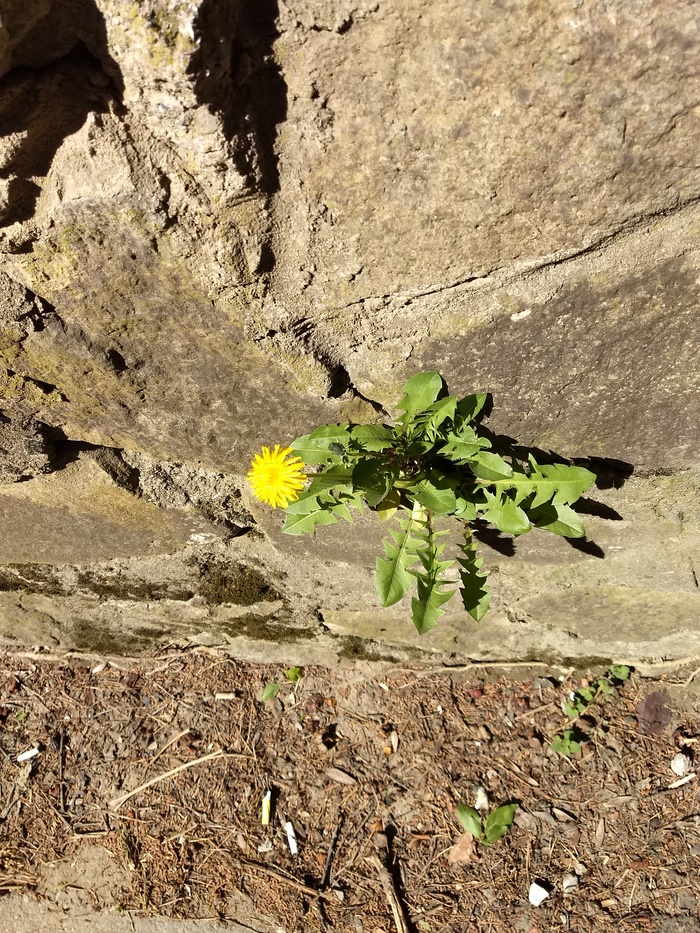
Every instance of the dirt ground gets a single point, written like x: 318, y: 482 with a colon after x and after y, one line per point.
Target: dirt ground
x: 145, y: 796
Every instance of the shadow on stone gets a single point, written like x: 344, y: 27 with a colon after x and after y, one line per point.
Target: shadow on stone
x: 237, y: 77
x: 487, y: 534
x: 58, y: 73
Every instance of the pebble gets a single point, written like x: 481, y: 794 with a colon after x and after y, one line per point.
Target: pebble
x: 569, y: 883
x: 681, y: 764
x: 537, y: 894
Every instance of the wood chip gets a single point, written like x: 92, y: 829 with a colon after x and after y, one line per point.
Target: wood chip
x: 342, y: 777
x: 464, y: 851
x: 600, y: 833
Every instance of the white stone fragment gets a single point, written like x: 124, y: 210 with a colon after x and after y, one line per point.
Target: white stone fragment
x: 482, y: 800
x: 569, y: 883
x: 537, y: 894
x: 681, y: 764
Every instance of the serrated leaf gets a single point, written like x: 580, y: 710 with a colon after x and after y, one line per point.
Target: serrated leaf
x: 420, y: 391
x: 296, y: 524
x: 307, y: 502
x: 294, y: 674
x: 465, y: 509
x: 470, y: 819
x: 559, y: 519
x: 270, y: 692
x: 392, y: 577
x: 341, y: 509
x: 558, y: 482
x: 506, y: 515
x: 436, y: 494
x: 470, y: 406
x: 426, y: 608
x: 314, y: 448
x: 373, y: 436
x: 498, y: 823
x: 460, y: 449
x: 489, y: 466
x: 428, y: 422
x: 374, y: 479
x: 474, y: 592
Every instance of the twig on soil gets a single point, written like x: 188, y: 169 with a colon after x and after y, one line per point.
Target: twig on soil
x: 175, y: 738
x: 687, y: 682
x: 117, y: 802
x: 329, y: 857
x: 290, y: 881
x: 391, y: 894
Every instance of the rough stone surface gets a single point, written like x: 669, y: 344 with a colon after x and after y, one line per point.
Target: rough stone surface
x: 224, y: 221
x: 79, y: 515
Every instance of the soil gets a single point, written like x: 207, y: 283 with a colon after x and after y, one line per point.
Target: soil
x: 146, y: 795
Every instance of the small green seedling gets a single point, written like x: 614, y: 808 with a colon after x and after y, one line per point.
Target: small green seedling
x: 270, y: 692
x: 294, y: 674
x: 569, y: 741
x: 497, y: 823
x: 566, y: 743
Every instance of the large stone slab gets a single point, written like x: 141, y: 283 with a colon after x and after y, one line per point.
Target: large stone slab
x: 224, y: 223
x: 79, y: 515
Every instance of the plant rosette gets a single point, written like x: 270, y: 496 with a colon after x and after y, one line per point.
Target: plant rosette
x: 435, y: 463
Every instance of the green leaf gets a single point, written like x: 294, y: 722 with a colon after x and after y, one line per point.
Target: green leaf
x: 436, y: 494
x: 474, y: 592
x: 373, y: 436
x: 428, y: 421
x: 336, y: 476
x: 389, y: 505
x: 314, y: 447
x: 490, y: 466
x: 565, y: 743
x: 296, y: 524
x: 460, y: 449
x: 465, y: 509
x: 558, y: 482
x: 620, y: 671
x: 270, y: 692
x: 470, y: 819
x: 559, y: 519
x: 307, y: 502
x: 506, y: 515
x: 392, y: 577
x: 420, y: 391
x: 498, y: 823
x: 470, y: 406
x: 373, y: 479
x: 294, y: 674
x: 426, y: 608
x: 341, y: 509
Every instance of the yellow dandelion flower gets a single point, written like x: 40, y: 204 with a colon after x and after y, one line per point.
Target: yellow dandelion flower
x: 274, y: 479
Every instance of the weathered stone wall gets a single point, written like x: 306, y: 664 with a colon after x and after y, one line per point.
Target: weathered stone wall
x: 225, y: 221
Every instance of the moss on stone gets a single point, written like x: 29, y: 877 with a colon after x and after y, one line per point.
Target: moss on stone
x: 354, y: 648
x: 263, y: 628
x: 244, y: 586
x: 93, y: 636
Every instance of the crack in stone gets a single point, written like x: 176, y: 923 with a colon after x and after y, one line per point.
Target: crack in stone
x: 501, y: 275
